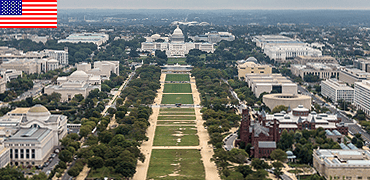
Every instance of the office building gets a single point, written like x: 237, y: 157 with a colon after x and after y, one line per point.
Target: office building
x: 352, y: 75
x: 362, y: 64
x: 342, y: 164
x: 214, y: 37
x: 60, y: 55
x: 78, y: 82
x: 31, y: 134
x: 337, y: 90
x: 275, y: 83
x: 10, y: 74
x: 175, y: 45
x: 96, y: 38
x: 101, y: 68
x: 31, y: 66
x: 251, y: 67
x: 362, y: 96
x: 281, y: 48
x: 323, y: 71
x: 315, y: 59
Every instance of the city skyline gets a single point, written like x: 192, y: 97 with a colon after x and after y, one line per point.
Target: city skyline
x: 218, y: 4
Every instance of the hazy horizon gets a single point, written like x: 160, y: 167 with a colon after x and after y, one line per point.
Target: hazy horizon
x: 217, y: 4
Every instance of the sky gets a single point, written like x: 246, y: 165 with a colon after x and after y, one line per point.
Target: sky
x: 214, y: 4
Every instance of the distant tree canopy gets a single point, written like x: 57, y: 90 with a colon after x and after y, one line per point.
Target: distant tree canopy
x: 311, y: 78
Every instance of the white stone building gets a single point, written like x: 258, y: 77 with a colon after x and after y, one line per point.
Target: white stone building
x: 352, y: 75
x: 101, y: 68
x: 337, y: 90
x: 323, y: 71
x: 96, y: 38
x: 78, y: 82
x: 214, y: 37
x: 31, y: 134
x: 362, y: 96
x: 60, y: 55
x: 260, y: 83
x: 9, y: 74
x: 281, y: 48
x: 175, y: 45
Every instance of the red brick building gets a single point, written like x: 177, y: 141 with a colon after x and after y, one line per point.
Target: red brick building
x: 263, y: 137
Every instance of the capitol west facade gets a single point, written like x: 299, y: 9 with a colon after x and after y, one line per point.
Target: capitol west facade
x: 175, y: 45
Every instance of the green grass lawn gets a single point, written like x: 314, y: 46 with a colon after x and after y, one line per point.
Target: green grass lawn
x: 176, y: 110
x: 176, y: 118
x: 184, y: 162
x: 103, y: 172
x: 177, y: 77
x: 177, y: 98
x: 177, y: 88
x: 176, y: 136
x: 176, y: 113
x: 176, y: 60
x: 176, y: 122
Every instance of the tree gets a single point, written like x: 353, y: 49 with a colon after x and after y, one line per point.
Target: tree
x: 278, y: 166
x: 65, y: 156
x: 95, y: 162
x: 40, y: 176
x: 9, y: 173
x: 74, y: 172
x: 279, y: 108
x: 278, y: 155
x: 244, y: 169
x: 259, y: 164
x: 238, y: 156
x: 62, y: 165
x: 112, y: 110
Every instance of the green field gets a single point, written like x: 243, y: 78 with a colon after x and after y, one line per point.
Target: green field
x: 176, y: 60
x: 177, y: 77
x: 176, y: 118
x: 177, y: 113
x: 177, y: 98
x: 177, y: 88
x: 176, y: 136
x: 162, y: 110
x: 185, y: 163
x: 176, y: 122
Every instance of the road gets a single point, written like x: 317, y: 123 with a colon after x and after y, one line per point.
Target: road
x: 229, y: 141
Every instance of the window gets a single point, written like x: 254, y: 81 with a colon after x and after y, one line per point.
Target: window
x: 33, y: 154
x: 11, y: 153
x: 359, y: 177
x: 22, y: 153
x: 27, y: 153
x: 16, y: 153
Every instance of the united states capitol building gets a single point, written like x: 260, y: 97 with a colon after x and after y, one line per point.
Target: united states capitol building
x: 29, y: 135
x: 174, y: 45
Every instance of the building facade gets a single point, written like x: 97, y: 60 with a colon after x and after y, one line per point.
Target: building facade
x: 362, y: 98
x: 175, y: 45
x: 101, y: 68
x: 276, y: 83
x: 323, y: 71
x: 78, y: 82
x: 281, y: 48
x: 288, y: 100
x: 336, y: 90
x: 262, y: 137
x: 32, y: 134
x: 315, y: 59
x: 352, y: 75
x: 342, y: 164
x: 253, y: 68
x: 214, y: 37
x: 96, y: 38
x: 60, y: 55
x: 301, y: 118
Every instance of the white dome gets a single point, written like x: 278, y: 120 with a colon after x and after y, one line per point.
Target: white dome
x: 252, y: 59
x: 156, y: 35
x: 38, y: 112
x: 178, y: 31
x: 78, y: 74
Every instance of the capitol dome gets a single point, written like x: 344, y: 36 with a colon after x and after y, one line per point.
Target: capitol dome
x: 38, y: 112
x: 79, y: 74
x: 178, y: 31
